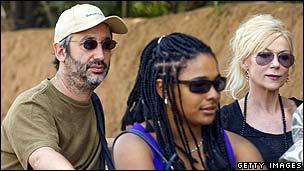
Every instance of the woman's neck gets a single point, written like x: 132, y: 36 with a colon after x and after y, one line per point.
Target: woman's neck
x: 189, y: 131
x: 264, y: 100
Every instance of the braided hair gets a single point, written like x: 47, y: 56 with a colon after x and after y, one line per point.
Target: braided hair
x: 163, y: 58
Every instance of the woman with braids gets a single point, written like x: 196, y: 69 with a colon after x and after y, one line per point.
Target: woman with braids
x: 262, y: 54
x: 170, y: 121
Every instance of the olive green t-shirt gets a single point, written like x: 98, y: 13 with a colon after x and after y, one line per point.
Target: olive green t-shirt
x: 44, y: 117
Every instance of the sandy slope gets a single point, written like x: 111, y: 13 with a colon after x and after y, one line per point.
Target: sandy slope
x: 26, y: 55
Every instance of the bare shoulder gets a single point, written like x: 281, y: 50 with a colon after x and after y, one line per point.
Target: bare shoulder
x: 130, y: 140
x: 236, y: 138
x: 243, y: 149
x: 132, y: 152
x: 289, y: 104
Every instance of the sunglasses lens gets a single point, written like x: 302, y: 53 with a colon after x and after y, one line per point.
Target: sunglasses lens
x: 286, y: 59
x: 201, y: 86
x: 220, y: 84
x: 264, y: 58
x: 108, y: 44
x: 90, y: 44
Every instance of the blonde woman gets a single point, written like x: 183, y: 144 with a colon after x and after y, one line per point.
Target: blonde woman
x: 262, y: 54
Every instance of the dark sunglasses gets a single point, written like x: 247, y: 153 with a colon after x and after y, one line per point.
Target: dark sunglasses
x: 201, y: 85
x: 106, y: 44
x: 285, y: 59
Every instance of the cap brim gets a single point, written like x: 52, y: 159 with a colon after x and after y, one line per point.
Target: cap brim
x: 116, y: 24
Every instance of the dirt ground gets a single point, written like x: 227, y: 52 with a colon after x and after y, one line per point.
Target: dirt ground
x: 26, y: 55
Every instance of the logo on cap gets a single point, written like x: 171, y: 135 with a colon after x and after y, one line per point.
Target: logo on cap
x: 95, y: 13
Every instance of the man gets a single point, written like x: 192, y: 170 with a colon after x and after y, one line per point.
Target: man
x: 53, y: 125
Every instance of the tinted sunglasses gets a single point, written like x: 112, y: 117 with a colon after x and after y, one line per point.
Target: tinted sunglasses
x: 285, y: 59
x: 106, y: 44
x: 201, y: 85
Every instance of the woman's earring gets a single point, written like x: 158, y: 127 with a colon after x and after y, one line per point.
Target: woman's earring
x: 166, y: 101
x: 287, y: 80
x: 247, y: 75
x: 165, y: 95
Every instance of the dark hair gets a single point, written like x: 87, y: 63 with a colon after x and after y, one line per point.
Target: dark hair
x: 66, y: 44
x: 164, y: 58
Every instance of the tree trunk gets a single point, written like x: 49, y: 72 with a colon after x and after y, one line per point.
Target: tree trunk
x: 47, y: 10
x: 12, y: 15
x: 124, y: 10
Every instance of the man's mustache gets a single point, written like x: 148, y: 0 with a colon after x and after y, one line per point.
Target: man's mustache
x: 97, y: 62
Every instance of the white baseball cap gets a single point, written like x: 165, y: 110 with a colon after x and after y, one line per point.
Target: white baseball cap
x: 83, y: 17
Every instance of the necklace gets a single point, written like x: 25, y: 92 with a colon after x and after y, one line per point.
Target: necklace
x: 283, y: 119
x: 191, y: 151
x: 198, y: 146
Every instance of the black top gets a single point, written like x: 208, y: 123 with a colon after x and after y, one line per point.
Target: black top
x: 271, y: 146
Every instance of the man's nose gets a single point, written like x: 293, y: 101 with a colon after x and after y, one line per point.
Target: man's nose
x: 99, y: 52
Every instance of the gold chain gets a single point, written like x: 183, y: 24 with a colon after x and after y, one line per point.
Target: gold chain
x: 199, y: 145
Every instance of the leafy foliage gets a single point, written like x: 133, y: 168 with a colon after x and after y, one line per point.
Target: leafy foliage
x: 46, y: 13
x: 149, y: 9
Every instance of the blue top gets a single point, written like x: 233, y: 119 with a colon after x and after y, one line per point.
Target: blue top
x: 229, y: 150
x: 159, y: 161
x: 271, y: 146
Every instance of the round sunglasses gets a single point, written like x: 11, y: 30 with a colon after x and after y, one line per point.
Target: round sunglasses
x: 202, y: 85
x: 91, y: 44
x: 285, y: 59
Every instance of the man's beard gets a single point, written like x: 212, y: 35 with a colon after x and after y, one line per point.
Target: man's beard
x: 77, y: 74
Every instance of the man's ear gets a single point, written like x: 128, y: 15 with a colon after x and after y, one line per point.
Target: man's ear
x: 159, y: 87
x: 59, y: 51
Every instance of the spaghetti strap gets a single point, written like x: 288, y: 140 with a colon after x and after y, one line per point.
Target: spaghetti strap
x: 229, y: 150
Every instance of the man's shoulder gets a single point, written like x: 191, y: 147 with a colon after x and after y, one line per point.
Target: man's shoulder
x: 35, y: 96
x: 33, y: 93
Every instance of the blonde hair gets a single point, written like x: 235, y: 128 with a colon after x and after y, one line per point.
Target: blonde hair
x: 247, y: 40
